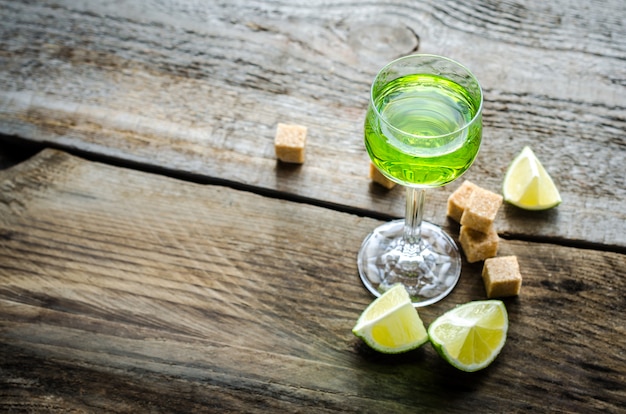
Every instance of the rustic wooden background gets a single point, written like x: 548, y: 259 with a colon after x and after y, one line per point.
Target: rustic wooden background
x: 125, y: 291
x: 156, y: 258
x: 197, y: 88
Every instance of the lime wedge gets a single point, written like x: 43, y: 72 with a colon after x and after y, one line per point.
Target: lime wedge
x: 528, y: 185
x: 472, y: 335
x: 390, y: 324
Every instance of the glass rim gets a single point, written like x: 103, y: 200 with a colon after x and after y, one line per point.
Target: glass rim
x: 425, y: 55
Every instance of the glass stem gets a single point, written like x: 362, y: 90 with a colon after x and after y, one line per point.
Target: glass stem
x: 413, y: 218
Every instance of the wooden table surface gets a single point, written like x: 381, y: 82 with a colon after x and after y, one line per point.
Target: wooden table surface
x: 155, y: 257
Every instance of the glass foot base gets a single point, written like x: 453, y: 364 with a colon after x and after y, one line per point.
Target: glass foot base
x: 429, y: 271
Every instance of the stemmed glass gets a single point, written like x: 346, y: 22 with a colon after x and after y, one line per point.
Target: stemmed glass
x: 423, y: 129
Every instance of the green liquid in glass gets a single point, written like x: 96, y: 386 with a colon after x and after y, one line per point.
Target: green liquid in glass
x: 423, y: 141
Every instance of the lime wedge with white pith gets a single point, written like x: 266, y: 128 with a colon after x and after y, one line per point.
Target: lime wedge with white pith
x: 472, y: 335
x: 390, y: 324
x: 528, y: 185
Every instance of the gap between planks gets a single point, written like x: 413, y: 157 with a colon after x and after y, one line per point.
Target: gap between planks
x: 25, y: 148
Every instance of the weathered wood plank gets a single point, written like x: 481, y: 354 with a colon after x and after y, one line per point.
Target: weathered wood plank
x: 198, y: 87
x: 125, y: 291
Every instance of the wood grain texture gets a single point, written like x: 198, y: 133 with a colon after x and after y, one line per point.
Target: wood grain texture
x: 122, y: 291
x: 198, y: 87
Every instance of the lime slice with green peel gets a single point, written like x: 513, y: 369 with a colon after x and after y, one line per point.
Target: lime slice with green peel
x: 528, y: 185
x: 390, y: 324
x: 472, y: 335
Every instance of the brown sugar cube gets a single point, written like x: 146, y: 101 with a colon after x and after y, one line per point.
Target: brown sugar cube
x: 502, y: 276
x: 458, y: 200
x: 289, y: 143
x: 481, y: 209
x: 478, y: 245
x: 378, y: 177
